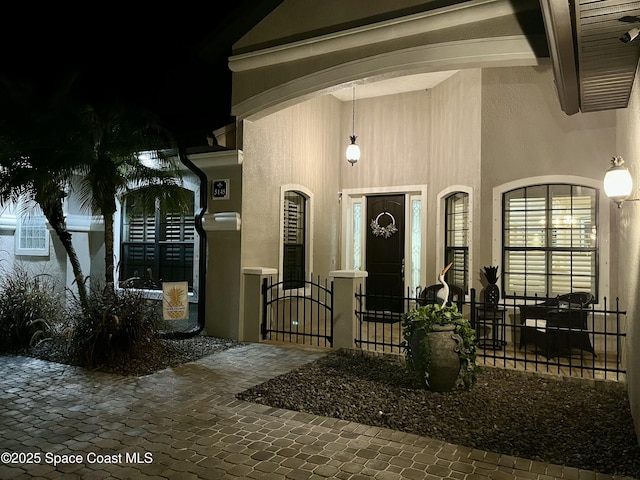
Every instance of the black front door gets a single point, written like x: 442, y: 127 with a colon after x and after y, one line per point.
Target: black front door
x: 385, y: 252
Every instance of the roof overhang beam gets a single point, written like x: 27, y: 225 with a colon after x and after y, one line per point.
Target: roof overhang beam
x: 558, y: 24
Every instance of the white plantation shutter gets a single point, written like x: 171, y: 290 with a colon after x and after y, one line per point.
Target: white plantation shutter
x: 140, y: 228
x: 525, y: 271
x: 459, y: 274
x: 525, y: 222
x: 189, y: 226
x: 173, y: 228
x: 293, y: 235
x: 457, y: 238
x: 550, y: 240
x: 292, y: 222
x: 178, y: 227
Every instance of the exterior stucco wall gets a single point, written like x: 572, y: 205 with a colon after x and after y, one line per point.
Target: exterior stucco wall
x: 455, y: 150
x: 96, y: 252
x: 394, y: 134
x: 525, y: 135
x: 281, y: 61
x: 87, y: 238
x: 480, y: 129
x: 419, y: 138
x: 626, y: 222
x: 524, y: 132
x: 223, y: 260
x: 299, y: 146
x: 222, y: 271
x: 52, y: 264
x: 427, y: 137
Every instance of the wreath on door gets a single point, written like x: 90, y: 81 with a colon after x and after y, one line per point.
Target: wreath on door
x: 386, y: 231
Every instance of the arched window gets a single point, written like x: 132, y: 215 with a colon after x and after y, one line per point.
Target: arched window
x: 550, y: 240
x: 294, y: 239
x: 456, y: 243
x: 156, y: 246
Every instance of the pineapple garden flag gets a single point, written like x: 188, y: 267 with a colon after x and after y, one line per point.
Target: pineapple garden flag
x: 175, y: 302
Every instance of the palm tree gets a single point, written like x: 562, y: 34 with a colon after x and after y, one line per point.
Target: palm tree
x: 39, y: 147
x: 124, y: 139
x: 48, y: 138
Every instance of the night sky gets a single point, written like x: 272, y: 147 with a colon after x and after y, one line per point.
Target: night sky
x: 151, y: 59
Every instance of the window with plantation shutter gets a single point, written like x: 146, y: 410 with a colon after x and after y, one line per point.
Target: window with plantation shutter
x: 294, y: 255
x: 457, y: 239
x: 140, y: 227
x: 156, y: 246
x: 550, y: 240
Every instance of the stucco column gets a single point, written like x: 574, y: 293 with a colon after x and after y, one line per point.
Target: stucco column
x: 223, y: 224
x: 345, y: 285
x: 252, y: 305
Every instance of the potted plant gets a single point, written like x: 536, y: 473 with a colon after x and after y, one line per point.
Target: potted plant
x: 440, y: 347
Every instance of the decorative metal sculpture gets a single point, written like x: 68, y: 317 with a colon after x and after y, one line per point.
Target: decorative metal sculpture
x: 491, y: 291
x: 443, y: 294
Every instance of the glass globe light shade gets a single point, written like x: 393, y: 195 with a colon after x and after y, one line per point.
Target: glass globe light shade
x: 353, y: 151
x: 617, y: 181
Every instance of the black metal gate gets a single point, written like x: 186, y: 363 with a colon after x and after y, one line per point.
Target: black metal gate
x: 298, y: 315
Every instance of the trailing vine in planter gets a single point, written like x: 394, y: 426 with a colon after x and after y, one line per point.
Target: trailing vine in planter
x: 416, y: 324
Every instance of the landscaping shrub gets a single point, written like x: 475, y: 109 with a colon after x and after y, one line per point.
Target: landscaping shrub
x: 30, y: 308
x: 119, y: 325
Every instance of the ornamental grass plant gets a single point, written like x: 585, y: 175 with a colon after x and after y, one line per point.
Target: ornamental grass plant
x: 30, y: 308
x: 118, y: 325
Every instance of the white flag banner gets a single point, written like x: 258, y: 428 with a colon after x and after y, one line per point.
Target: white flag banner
x: 175, y: 300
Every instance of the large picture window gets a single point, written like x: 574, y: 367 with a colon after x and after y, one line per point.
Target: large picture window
x: 457, y: 239
x: 550, y: 240
x: 156, y: 246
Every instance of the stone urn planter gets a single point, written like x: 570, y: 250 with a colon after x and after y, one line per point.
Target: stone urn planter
x: 439, y: 347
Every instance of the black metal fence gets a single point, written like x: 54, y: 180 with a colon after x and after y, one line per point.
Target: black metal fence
x: 564, y: 339
x: 298, y: 315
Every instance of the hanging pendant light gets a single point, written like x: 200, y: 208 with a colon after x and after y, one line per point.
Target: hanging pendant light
x: 617, y: 181
x: 353, y: 150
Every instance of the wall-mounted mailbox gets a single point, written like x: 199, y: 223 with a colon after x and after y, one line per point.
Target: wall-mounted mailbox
x: 221, y: 221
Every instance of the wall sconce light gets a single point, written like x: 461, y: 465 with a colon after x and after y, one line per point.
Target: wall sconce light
x: 618, y: 182
x: 353, y: 150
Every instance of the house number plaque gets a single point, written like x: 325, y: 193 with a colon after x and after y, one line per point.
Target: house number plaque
x: 220, y: 189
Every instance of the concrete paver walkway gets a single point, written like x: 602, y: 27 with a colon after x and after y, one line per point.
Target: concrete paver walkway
x: 58, y: 421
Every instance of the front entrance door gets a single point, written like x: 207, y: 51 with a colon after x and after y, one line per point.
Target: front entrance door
x: 385, y: 252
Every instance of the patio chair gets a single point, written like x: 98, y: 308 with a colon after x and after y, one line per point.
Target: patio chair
x: 558, y: 325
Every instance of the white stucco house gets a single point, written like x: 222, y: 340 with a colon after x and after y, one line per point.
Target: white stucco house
x: 486, y: 124
x: 485, y: 129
